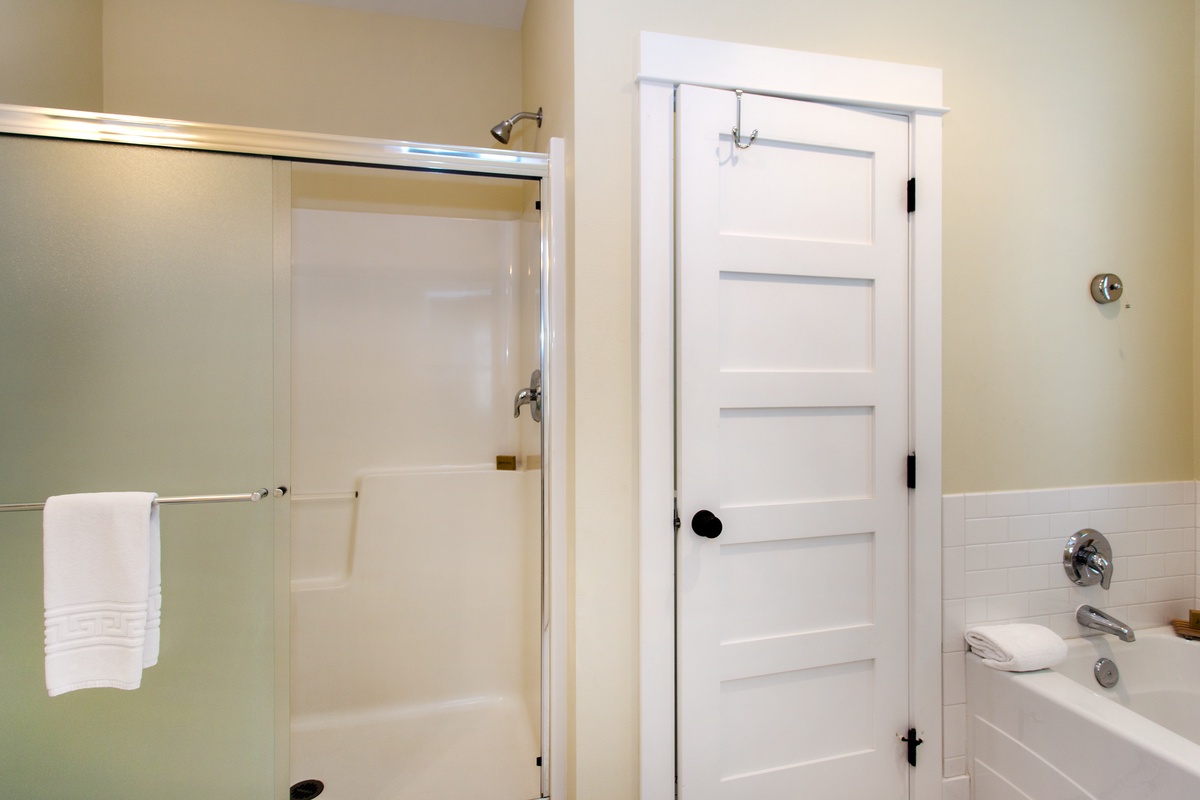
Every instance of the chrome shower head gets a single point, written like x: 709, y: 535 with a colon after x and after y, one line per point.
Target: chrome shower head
x: 504, y: 130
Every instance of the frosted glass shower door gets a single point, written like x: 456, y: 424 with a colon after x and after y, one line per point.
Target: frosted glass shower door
x: 136, y: 354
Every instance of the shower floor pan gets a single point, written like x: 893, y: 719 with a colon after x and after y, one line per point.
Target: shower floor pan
x: 474, y: 749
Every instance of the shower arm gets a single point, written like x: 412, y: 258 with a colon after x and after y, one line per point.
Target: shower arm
x: 503, y: 130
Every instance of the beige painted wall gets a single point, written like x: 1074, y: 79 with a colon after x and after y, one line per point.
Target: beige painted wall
x: 547, y: 72
x: 50, y: 54
x: 1067, y: 152
x: 297, y: 66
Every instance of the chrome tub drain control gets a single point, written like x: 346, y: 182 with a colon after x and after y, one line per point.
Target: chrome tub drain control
x: 1106, y: 672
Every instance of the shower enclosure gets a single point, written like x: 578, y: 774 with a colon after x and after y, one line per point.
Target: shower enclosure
x: 194, y: 309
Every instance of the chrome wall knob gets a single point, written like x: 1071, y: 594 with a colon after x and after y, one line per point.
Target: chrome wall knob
x: 1106, y: 288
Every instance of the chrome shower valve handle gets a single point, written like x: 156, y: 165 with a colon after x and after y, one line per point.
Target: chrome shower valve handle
x: 1087, y: 558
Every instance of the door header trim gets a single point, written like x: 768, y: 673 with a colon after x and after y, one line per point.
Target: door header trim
x: 665, y: 58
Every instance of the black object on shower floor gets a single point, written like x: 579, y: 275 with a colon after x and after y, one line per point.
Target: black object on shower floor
x: 304, y: 790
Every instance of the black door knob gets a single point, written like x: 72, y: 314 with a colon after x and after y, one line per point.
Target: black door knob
x: 706, y: 524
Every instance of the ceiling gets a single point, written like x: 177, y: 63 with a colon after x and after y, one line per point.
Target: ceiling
x: 493, y: 13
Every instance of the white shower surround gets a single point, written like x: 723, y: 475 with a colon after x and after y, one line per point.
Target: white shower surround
x: 416, y: 563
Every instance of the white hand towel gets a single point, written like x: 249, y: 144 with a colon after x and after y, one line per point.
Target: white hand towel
x: 154, y: 595
x: 1017, y: 647
x: 102, y: 589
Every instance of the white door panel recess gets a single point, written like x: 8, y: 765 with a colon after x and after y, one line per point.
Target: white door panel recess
x: 793, y: 430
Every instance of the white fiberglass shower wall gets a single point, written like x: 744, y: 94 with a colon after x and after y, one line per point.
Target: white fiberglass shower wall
x: 416, y: 495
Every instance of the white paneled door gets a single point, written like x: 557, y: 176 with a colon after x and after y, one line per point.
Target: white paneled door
x: 792, y: 417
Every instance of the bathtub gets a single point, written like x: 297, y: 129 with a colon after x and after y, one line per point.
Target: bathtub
x: 1058, y: 735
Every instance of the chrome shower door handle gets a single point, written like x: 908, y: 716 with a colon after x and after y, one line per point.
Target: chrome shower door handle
x: 531, y: 397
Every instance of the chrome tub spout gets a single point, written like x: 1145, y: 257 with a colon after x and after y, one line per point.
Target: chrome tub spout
x: 1097, y: 620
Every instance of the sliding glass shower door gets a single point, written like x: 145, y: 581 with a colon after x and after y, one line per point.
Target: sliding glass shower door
x: 136, y: 349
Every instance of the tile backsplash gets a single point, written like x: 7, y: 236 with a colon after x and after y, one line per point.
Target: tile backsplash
x: 1002, y: 562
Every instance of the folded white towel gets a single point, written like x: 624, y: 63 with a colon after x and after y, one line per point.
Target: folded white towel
x: 1017, y: 647
x: 102, y: 589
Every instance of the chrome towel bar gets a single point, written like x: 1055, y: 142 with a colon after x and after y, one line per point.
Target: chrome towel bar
x: 252, y: 497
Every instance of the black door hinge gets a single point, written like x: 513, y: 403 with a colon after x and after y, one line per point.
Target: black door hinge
x: 913, y: 743
x: 678, y: 524
x: 912, y: 195
x: 912, y: 470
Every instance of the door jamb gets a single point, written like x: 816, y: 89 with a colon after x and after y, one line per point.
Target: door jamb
x: 666, y: 61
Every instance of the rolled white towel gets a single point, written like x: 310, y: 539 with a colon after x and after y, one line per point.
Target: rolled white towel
x: 1017, y: 646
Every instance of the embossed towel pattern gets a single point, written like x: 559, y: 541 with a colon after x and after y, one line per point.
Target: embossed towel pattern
x: 102, y: 589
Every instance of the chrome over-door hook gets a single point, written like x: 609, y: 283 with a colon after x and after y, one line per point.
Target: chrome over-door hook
x: 737, y: 136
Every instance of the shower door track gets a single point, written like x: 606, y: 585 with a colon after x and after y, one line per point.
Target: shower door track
x: 296, y: 146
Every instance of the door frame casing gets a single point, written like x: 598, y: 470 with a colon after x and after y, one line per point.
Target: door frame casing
x: 665, y: 62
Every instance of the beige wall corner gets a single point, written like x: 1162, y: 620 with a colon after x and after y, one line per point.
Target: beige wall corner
x: 548, y: 82
x: 297, y: 66
x: 547, y: 72
x: 1196, y: 249
x: 50, y: 54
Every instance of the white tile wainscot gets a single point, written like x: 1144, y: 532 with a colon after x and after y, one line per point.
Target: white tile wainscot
x: 1002, y: 562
